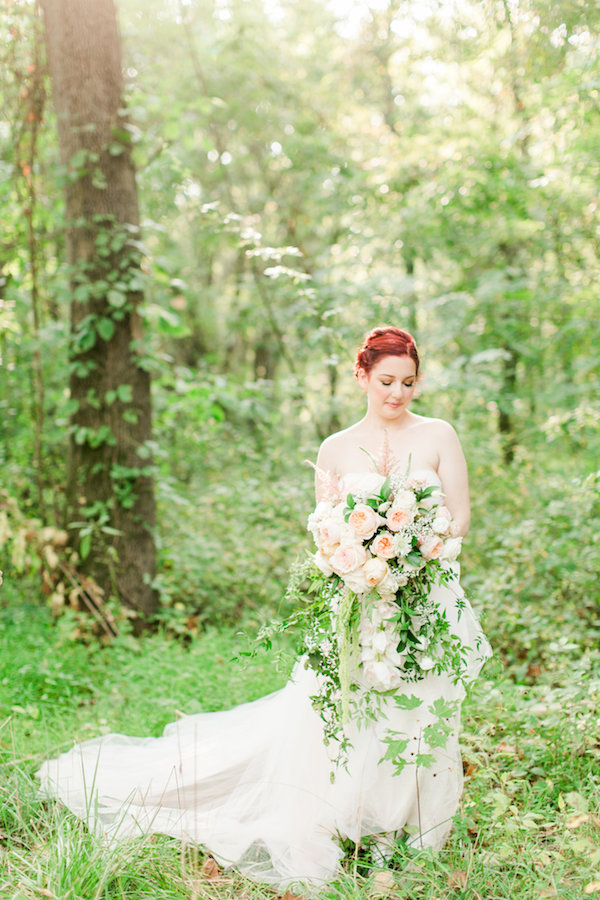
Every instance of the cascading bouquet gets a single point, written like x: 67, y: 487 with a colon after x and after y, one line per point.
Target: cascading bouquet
x: 370, y: 620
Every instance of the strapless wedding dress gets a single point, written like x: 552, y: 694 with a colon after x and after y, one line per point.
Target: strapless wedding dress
x: 253, y: 784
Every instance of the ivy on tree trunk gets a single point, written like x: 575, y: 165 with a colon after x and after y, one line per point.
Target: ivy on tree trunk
x: 109, y: 487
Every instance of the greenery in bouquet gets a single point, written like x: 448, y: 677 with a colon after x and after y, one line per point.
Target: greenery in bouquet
x: 364, y: 605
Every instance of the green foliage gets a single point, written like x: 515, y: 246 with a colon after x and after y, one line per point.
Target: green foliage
x: 542, y: 554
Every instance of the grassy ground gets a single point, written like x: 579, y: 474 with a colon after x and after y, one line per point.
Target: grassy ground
x: 528, y: 827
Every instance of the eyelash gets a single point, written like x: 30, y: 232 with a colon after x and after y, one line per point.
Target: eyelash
x: 388, y: 383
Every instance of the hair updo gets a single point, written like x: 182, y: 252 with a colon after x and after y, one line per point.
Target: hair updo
x: 385, y: 341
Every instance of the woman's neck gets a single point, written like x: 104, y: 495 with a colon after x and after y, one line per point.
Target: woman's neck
x: 376, y: 423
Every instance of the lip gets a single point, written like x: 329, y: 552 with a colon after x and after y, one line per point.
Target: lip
x: 393, y: 405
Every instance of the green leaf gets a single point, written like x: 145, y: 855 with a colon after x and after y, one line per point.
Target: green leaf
x: 99, y: 180
x: 85, y: 545
x: 414, y: 558
x: 105, y: 328
x: 136, y: 283
x: 443, y: 708
x: 407, y: 701
x: 82, y: 292
x: 79, y: 160
x: 395, y: 747
x: 117, y: 299
x: 384, y: 493
x: 436, y: 734
x: 86, y: 339
x: 425, y: 759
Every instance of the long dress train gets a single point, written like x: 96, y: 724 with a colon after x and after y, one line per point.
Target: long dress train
x: 253, y: 784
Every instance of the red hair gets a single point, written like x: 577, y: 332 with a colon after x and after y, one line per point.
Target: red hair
x: 385, y: 341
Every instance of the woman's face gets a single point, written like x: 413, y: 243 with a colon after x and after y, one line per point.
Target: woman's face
x: 390, y: 385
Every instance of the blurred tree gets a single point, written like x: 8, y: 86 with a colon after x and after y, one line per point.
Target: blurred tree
x: 110, y: 488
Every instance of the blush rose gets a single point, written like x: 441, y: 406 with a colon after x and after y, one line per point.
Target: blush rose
x: 384, y: 545
x: 347, y: 558
x: 363, y: 521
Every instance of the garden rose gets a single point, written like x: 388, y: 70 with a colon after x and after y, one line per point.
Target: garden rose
x: 355, y: 581
x: 443, y: 520
x: 431, y: 546
x: 384, y: 545
x: 348, y: 557
x: 322, y: 563
x: 402, y: 511
x: 364, y: 520
x: 361, y: 484
x: 451, y: 550
x: 374, y: 571
x: 331, y: 531
x: 321, y: 510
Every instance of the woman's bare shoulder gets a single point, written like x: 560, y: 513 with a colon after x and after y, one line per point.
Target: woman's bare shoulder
x: 341, y: 437
x: 438, y: 426
x: 333, y: 446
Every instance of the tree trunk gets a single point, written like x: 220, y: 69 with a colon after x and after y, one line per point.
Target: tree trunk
x: 109, y: 485
x: 505, y: 404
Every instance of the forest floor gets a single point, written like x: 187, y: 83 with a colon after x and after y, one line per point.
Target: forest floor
x: 528, y: 826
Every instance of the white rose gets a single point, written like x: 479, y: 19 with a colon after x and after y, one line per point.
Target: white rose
x: 322, y: 564
x: 388, y: 584
x: 355, y: 581
x: 331, y: 530
x: 375, y: 571
x: 316, y: 517
x: 451, y: 549
x: 443, y: 520
x: 404, y: 499
x: 362, y: 484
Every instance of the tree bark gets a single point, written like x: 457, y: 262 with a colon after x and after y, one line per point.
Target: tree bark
x: 109, y: 485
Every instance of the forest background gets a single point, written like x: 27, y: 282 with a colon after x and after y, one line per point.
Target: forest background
x: 306, y: 170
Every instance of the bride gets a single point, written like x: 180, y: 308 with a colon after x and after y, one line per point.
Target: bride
x: 253, y: 784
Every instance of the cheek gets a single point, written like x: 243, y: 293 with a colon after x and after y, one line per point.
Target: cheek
x: 381, y: 391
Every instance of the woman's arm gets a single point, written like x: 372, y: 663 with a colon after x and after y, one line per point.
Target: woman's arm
x: 452, y: 469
